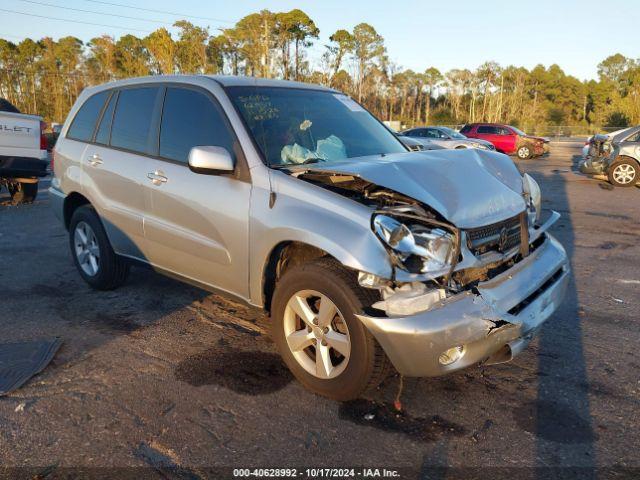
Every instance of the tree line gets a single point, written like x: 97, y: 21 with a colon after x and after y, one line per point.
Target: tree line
x: 46, y: 76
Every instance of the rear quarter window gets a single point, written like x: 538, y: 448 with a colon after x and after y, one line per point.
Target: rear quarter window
x: 85, y: 120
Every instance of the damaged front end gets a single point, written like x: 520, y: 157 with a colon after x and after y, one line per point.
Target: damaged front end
x: 457, y: 296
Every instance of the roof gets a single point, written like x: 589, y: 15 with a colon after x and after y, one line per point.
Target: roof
x: 224, y: 80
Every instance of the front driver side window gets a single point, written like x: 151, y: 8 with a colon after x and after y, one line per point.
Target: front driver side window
x: 190, y: 119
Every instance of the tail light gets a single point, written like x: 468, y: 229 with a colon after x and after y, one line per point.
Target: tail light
x: 43, y: 139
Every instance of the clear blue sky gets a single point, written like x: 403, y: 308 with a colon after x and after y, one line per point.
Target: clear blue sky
x: 576, y: 35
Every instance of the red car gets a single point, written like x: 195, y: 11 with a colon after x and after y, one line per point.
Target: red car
x: 507, y: 139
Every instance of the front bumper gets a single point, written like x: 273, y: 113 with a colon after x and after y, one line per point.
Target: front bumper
x: 593, y: 166
x: 494, y: 324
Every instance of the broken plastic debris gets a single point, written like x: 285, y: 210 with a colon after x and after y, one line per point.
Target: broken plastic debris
x: 20, y: 407
x: 408, y: 299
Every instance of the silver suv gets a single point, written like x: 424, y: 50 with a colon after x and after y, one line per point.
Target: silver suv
x: 295, y: 199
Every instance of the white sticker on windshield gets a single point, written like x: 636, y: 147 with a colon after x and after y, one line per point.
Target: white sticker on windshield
x: 349, y: 102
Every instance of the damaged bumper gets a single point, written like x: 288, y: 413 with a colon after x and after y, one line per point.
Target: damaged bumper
x: 492, y: 324
x: 593, y: 166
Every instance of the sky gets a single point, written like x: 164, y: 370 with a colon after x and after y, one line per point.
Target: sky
x: 576, y: 35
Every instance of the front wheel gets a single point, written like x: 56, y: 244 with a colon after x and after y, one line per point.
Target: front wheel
x: 524, y: 152
x: 623, y: 173
x: 317, y: 334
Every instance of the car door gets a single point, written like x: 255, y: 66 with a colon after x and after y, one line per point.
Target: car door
x: 436, y: 137
x: 199, y: 224
x: 488, y: 133
x: 116, y: 163
x: 506, y: 139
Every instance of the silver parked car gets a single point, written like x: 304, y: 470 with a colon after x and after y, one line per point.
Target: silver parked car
x: 295, y: 199
x: 616, y: 155
x: 445, y: 137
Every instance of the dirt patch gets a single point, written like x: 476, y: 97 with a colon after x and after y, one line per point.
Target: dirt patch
x: 246, y: 372
x: 386, y: 417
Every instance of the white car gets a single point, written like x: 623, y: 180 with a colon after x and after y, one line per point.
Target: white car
x: 445, y: 137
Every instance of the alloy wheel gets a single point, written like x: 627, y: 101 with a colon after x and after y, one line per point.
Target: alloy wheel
x: 317, y: 334
x: 624, y: 174
x: 86, y: 248
x: 523, y: 152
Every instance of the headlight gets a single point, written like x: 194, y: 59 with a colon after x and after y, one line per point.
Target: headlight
x: 417, y: 248
x: 533, y: 197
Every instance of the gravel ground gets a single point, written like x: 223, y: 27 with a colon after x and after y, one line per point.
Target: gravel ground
x: 162, y: 379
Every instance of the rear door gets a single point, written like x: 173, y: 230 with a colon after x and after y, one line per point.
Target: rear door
x: 117, y: 162
x: 199, y: 224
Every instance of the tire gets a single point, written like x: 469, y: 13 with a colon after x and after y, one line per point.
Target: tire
x: 110, y: 270
x: 524, y: 152
x: 624, y: 172
x: 366, y: 364
x: 23, y: 192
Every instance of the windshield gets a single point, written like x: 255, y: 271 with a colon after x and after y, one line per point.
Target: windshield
x: 296, y: 126
x: 451, y: 132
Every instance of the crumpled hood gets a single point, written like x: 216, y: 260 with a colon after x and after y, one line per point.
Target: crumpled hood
x: 470, y: 188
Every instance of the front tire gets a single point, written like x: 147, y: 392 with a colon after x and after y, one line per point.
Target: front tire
x: 623, y: 172
x: 23, y: 192
x: 95, y: 260
x: 524, y: 152
x: 317, y: 334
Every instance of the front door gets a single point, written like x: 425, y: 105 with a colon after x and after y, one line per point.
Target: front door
x: 198, y: 226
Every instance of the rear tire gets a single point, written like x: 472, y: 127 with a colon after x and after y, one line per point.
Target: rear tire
x: 23, y: 192
x: 346, y: 376
x: 92, y: 254
x: 624, y: 172
x: 524, y: 152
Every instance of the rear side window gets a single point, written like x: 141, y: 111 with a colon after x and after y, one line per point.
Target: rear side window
x: 488, y: 129
x: 132, y: 127
x: 634, y: 138
x: 85, y: 120
x: 190, y: 119
x: 104, y: 130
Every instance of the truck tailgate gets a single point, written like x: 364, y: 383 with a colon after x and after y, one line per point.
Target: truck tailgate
x: 20, y: 136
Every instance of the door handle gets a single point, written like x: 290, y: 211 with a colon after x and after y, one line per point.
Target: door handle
x: 95, y: 160
x: 157, y: 178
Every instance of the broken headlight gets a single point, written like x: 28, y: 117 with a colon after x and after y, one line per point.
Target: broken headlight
x: 533, y: 197
x: 416, y: 248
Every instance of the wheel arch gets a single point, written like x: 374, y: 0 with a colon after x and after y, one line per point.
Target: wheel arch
x: 282, y: 257
x: 72, y: 202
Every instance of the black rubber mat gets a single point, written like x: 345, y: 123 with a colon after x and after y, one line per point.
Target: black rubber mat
x: 21, y: 361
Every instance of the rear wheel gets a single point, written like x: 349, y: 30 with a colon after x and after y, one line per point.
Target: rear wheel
x: 623, y: 173
x: 524, y: 152
x: 96, y: 261
x: 315, y: 329
x: 22, y: 192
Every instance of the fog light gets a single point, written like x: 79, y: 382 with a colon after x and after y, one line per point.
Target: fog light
x: 453, y: 354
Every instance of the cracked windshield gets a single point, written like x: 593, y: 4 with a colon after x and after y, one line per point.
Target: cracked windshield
x: 299, y: 126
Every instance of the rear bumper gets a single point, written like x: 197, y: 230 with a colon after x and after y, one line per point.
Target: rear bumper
x: 22, y: 167
x: 56, y: 199
x: 493, y: 325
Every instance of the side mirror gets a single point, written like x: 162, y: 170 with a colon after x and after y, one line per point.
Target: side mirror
x: 210, y: 160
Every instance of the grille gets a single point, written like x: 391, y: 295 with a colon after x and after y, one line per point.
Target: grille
x: 498, y: 237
